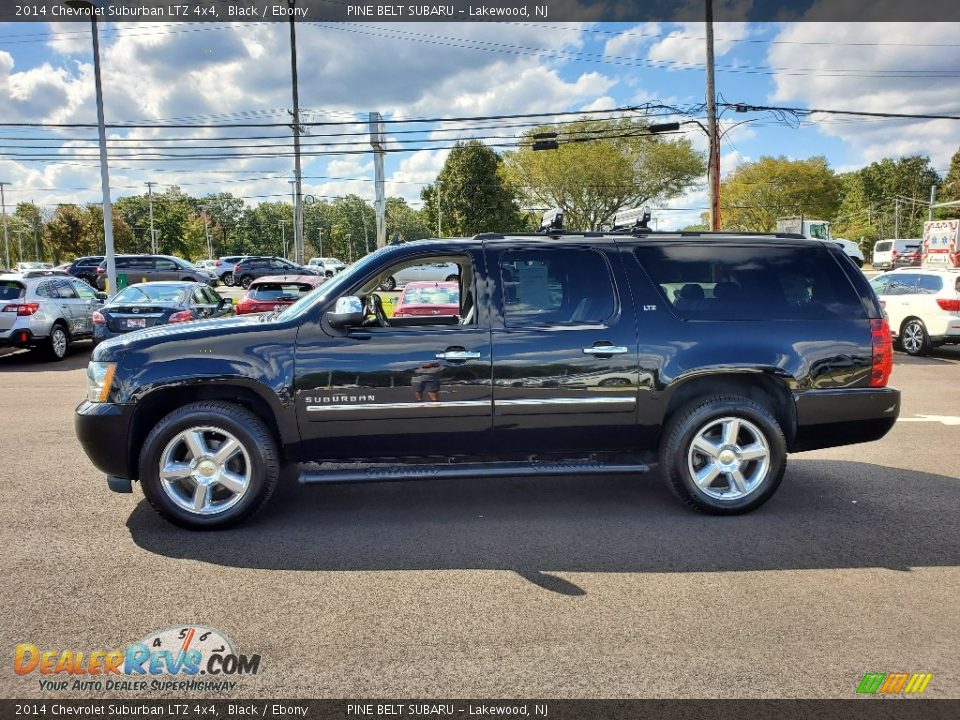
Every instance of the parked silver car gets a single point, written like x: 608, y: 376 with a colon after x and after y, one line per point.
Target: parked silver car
x: 46, y: 310
x: 429, y: 272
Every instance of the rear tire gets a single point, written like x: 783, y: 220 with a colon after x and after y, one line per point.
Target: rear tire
x: 389, y: 284
x: 914, y: 338
x: 58, y: 343
x: 250, y: 471
x: 723, y: 455
x: 245, y: 281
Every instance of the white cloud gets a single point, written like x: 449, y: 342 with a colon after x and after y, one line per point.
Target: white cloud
x: 853, y: 67
x: 685, y: 45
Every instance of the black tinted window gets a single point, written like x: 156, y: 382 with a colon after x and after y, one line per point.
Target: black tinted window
x: 718, y: 282
x: 165, y: 265
x: 552, y: 287
x: 12, y: 290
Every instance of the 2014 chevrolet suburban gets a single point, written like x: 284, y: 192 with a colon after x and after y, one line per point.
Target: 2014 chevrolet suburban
x: 712, y: 355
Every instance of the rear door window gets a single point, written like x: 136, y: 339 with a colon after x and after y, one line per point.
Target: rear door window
x: 729, y: 282
x: 556, y: 287
x: 903, y: 284
x: 929, y: 284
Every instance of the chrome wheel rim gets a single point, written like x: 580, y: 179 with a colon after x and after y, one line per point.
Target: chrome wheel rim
x: 912, y: 336
x: 205, y: 470
x: 729, y: 458
x: 59, y: 340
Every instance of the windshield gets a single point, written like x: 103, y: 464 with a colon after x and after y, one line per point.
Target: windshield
x: 150, y: 293
x: 332, y: 287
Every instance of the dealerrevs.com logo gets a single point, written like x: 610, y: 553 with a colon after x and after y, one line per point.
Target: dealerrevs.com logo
x: 173, y: 659
x: 898, y: 683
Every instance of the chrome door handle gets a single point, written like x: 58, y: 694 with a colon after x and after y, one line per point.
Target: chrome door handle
x: 606, y: 350
x: 458, y: 355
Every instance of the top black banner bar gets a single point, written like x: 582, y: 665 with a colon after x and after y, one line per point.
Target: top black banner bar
x: 258, y: 11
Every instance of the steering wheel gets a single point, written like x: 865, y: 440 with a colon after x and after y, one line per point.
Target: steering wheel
x: 375, y: 308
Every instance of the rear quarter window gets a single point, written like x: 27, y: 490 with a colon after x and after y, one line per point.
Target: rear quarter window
x: 729, y: 282
x: 11, y: 290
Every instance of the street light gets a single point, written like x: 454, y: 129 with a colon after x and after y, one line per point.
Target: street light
x: 206, y: 231
x: 94, y: 7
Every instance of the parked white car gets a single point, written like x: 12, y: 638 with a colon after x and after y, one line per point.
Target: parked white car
x: 922, y: 305
x: 885, y: 252
x: 330, y: 266
x: 431, y: 272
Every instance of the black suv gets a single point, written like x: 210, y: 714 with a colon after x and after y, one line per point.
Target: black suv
x: 85, y: 268
x: 712, y: 355
x: 251, y: 268
x: 147, y: 268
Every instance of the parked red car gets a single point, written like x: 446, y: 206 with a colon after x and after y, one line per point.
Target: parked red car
x: 428, y: 298
x: 275, y: 292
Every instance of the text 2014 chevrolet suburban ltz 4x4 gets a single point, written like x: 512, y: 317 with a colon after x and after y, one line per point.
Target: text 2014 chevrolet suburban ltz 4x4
x: 713, y: 355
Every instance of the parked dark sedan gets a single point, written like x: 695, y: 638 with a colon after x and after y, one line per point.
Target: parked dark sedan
x: 157, y: 303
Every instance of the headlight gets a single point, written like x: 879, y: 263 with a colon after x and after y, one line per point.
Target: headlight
x: 99, y: 379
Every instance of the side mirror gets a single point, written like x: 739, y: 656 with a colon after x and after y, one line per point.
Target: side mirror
x: 347, y: 311
x: 226, y: 301
x: 102, y: 297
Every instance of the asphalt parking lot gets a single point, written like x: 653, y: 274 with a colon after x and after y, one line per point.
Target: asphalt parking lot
x: 526, y: 588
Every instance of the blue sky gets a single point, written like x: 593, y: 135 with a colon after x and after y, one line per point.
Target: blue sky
x: 210, y: 73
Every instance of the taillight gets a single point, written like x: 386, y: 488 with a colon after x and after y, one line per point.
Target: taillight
x: 895, y: 253
x: 182, y: 316
x: 98, y: 318
x: 101, y: 271
x: 236, y: 268
x: 217, y: 263
x: 882, y: 350
x: 949, y: 305
x: 22, y: 308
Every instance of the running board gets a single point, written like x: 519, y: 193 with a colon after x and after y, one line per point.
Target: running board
x: 377, y: 472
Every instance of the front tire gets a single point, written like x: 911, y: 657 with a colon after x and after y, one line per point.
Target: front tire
x: 723, y: 455
x: 58, y: 343
x: 914, y: 338
x: 209, y: 465
x: 228, y: 279
x: 452, y: 278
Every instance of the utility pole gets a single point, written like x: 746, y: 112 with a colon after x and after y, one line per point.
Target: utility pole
x: 153, y: 234
x: 714, y: 164
x: 283, y: 238
x: 933, y: 201
x: 298, y: 194
x: 320, y: 239
x: 19, y: 233
x: 206, y: 231
x: 378, y: 142
x: 6, y: 241
x: 896, y: 218
x: 36, y: 241
x: 439, y: 209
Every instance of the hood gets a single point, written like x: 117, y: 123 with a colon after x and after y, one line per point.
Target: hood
x: 113, y: 348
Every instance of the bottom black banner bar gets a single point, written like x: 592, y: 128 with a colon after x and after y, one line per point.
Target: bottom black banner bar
x: 860, y: 709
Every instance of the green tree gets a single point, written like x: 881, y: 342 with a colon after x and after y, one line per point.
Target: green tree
x: 404, y: 221
x: 756, y: 194
x: 471, y: 194
x: 69, y: 234
x: 949, y: 189
x: 123, y: 240
x: 601, y: 167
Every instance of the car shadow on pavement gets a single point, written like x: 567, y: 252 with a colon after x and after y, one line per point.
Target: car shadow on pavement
x: 827, y: 514
x: 33, y: 360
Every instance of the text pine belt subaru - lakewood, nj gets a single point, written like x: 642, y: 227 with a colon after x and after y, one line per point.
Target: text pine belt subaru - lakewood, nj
x: 713, y: 355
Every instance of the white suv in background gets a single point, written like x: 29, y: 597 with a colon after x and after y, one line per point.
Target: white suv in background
x: 923, y: 306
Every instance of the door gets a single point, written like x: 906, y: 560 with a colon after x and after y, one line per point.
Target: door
x: 89, y: 302
x: 417, y: 387
x: 165, y: 269
x: 898, y: 298
x: 74, y: 309
x: 565, y: 349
